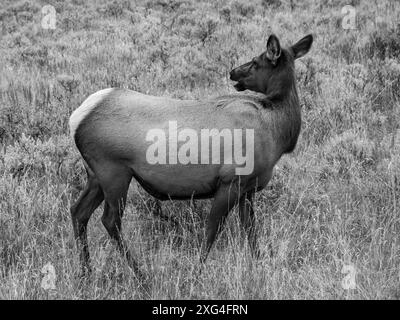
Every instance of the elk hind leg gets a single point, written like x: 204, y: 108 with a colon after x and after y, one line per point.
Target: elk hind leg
x: 81, y: 211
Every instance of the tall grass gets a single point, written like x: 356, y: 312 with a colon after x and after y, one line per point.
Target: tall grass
x: 333, y: 202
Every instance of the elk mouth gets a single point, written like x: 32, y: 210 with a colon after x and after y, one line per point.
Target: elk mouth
x: 239, y: 86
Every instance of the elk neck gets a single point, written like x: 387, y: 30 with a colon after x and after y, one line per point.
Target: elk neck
x: 282, y: 113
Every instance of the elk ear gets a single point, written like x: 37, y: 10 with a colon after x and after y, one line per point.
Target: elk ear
x: 273, y: 49
x: 302, y: 46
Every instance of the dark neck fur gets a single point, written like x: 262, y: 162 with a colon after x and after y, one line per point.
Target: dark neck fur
x: 285, y: 115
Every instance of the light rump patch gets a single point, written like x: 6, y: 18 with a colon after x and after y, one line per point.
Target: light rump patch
x: 85, y: 108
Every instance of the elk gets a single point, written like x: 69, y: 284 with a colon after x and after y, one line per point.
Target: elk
x: 110, y: 127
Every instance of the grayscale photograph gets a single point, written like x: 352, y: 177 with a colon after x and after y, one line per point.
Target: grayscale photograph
x: 194, y: 150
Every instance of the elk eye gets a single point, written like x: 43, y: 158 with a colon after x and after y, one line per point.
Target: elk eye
x: 255, y: 63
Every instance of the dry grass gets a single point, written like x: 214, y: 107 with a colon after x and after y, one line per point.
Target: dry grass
x: 333, y: 202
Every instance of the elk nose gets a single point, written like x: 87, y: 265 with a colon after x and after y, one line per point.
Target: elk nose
x: 232, y: 75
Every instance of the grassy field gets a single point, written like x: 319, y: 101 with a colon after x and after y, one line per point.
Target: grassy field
x: 332, y: 205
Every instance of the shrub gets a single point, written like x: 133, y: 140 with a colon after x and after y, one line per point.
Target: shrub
x: 36, y: 55
x: 24, y: 17
x: 345, y: 46
x: 35, y: 158
x: 383, y: 83
x: 349, y: 153
x: 271, y: 3
x: 225, y: 13
x: 166, y: 5
x: 113, y: 9
x: 356, y: 75
x: 68, y: 82
x: 206, y: 28
x: 244, y: 8
x: 75, y: 22
x: 384, y: 43
x: 307, y: 76
x: 26, y: 6
x: 192, y: 69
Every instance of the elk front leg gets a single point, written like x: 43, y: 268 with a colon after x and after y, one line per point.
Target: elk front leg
x: 224, y: 200
x: 247, y: 219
